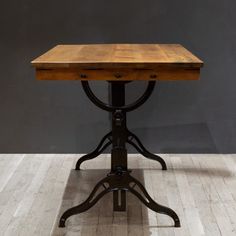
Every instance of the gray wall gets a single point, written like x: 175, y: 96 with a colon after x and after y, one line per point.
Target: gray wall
x: 41, y: 116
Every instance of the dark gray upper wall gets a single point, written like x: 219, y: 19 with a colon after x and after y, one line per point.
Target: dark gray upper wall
x: 40, y: 116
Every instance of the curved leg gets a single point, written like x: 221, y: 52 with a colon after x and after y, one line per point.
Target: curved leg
x: 142, y: 150
x: 125, y: 108
x: 100, y: 148
x: 119, y: 180
x: 88, y: 203
x: 150, y: 203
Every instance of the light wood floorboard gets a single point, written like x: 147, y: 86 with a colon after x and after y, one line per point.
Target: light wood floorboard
x: 36, y: 188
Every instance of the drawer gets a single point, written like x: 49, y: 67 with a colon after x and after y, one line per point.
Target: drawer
x: 118, y: 74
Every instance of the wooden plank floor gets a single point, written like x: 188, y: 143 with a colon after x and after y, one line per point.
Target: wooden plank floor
x: 201, y: 188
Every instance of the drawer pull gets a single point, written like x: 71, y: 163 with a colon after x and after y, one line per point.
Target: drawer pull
x: 117, y: 75
x: 83, y: 76
x: 153, y: 76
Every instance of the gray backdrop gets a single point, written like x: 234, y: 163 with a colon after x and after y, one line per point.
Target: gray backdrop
x: 49, y: 116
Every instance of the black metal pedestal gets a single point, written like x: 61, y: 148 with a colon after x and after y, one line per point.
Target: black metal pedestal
x: 119, y: 180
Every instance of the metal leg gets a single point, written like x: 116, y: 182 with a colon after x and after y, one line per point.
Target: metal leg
x: 119, y: 137
x: 88, y: 203
x: 100, y: 148
x: 150, y: 203
x: 119, y: 181
x: 142, y: 150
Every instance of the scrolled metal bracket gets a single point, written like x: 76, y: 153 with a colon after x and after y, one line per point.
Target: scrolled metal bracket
x: 126, y: 108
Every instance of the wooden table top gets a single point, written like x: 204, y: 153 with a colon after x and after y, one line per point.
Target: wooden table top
x: 117, y: 55
x: 67, y: 61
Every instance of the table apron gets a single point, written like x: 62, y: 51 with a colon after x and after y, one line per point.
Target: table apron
x: 118, y: 74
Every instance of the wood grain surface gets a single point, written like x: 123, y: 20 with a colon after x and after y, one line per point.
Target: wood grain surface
x: 37, y: 188
x: 118, y: 61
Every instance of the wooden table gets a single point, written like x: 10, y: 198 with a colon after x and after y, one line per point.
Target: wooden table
x: 118, y: 64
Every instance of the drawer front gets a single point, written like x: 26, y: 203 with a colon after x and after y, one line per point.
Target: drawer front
x: 118, y: 74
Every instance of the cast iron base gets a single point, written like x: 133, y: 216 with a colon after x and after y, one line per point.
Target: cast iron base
x: 119, y: 181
